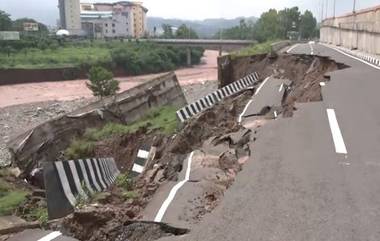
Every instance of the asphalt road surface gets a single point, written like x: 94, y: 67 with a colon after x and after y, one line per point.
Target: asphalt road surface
x: 40, y: 235
x: 315, y: 176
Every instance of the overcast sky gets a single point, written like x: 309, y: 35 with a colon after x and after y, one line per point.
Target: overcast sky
x: 46, y: 11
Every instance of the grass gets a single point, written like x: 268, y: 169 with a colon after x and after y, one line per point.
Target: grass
x: 124, y: 182
x: 49, y: 58
x: 163, y: 120
x: 40, y: 214
x: 261, y: 48
x: 10, y: 199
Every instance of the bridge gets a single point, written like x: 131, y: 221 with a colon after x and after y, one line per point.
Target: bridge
x: 215, y: 44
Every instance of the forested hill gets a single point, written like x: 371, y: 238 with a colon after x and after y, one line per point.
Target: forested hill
x: 205, y: 28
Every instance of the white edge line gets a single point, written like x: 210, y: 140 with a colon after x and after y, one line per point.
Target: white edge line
x: 291, y: 48
x: 249, y: 102
x: 245, y: 109
x: 261, y: 86
x: 349, y: 55
x: 51, y: 236
x: 174, y: 190
x: 282, y: 86
x: 340, y: 147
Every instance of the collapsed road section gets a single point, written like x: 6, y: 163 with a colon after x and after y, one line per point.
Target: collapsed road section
x: 152, y: 152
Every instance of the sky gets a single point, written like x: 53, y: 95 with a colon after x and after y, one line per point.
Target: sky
x: 46, y: 11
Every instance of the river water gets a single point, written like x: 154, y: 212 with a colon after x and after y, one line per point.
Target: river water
x: 75, y: 89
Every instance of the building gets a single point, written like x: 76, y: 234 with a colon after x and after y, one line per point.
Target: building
x: 111, y: 20
x: 69, y: 11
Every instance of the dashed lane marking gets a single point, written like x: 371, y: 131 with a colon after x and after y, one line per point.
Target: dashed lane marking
x: 340, y: 147
x: 174, y: 190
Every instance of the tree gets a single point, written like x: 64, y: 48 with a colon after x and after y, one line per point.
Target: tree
x: 168, y: 31
x: 267, y: 27
x: 289, y: 20
x: 18, y: 25
x: 184, y: 32
x: 308, y: 25
x: 5, y: 21
x: 102, y: 83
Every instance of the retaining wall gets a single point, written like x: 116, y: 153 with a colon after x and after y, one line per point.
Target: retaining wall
x: 360, y: 30
x: 45, y: 142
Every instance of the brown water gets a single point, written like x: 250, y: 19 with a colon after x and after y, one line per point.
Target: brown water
x: 70, y: 90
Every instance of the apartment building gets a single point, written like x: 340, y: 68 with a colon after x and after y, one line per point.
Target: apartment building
x: 69, y: 11
x: 119, y: 19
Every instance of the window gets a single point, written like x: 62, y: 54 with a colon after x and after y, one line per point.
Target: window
x: 113, y: 31
x: 106, y: 24
x: 113, y: 25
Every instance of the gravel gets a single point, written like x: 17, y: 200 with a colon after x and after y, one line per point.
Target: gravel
x: 15, y: 120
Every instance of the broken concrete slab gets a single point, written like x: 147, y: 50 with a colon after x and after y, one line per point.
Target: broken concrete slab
x: 270, y: 95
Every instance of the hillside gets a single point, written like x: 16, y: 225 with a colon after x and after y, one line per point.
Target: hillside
x: 205, y: 28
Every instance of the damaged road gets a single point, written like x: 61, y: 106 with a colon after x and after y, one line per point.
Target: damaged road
x: 297, y: 185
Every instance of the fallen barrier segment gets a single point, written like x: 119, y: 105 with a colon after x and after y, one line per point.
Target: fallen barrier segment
x: 140, y: 161
x: 67, y: 182
x: 210, y: 100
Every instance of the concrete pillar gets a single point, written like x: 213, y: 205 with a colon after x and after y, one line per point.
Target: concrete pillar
x: 189, y: 56
x: 220, y: 50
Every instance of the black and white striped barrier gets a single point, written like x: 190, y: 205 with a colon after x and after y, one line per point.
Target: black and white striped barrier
x: 210, y: 100
x: 66, y: 181
x: 368, y: 58
x: 140, y: 161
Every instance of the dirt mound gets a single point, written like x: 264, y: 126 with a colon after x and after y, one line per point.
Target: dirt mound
x: 111, y: 223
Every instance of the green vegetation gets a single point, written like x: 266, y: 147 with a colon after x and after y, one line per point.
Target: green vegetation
x: 40, y: 214
x: 124, y: 182
x: 163, y: 120
x: 10, y: 199
x: 133, y: 57
x: 183, y: 32
x: 102, y: 83
x: 273, y: 24
x: 261, y: 48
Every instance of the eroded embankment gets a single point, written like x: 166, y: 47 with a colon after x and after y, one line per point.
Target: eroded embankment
x: 304, y: 71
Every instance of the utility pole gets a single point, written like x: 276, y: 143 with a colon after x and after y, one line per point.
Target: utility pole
x: 323, y: 8
x: 334, y: 7
x: 354, y: 9
x: 327, y: 8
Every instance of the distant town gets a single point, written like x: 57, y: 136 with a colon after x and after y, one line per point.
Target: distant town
x: 99, y: 20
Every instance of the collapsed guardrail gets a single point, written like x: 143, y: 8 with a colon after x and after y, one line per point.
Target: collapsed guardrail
x: 210, y: 100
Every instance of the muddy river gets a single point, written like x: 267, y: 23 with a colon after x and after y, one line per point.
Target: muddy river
x: 70, y: 90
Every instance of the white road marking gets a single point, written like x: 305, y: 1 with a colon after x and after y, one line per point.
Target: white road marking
x: 174, y: 190
x: 340, y: 147
x: 322, y: 84
x: 281, y: 87
x: 249, y: 102
x: 275, y: 114
x: 51, y: 236
x: 137, y: 168
x: 291, y: 48
x: 261, y: 86
x: 348, y: 55
x: 311, y: 49
x: 245, y: 109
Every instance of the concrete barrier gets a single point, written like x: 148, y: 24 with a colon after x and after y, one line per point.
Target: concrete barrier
x: 210, y: 100
x: 46, y: 142
x: 67, y: 182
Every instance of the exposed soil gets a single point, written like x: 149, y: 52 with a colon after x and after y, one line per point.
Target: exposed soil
x: 304, y: 71
x: 112, y: 219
